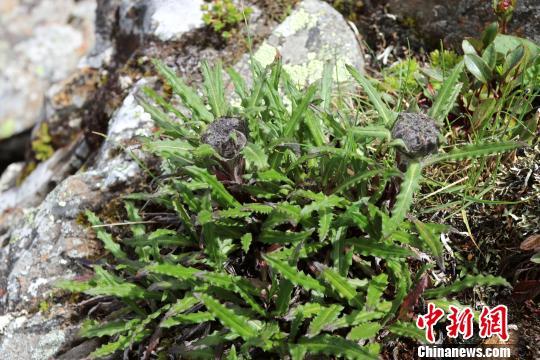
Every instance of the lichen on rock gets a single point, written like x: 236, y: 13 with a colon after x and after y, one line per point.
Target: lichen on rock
x: 311, y: 36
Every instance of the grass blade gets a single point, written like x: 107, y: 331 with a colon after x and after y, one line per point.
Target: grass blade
x: 473, y: 151
x: 387, y: 115
x: 447, y: 95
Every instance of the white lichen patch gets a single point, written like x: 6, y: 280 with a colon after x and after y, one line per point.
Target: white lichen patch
x: 130, y: 116
x: 35, y: 285
x: 297, y: 21
x: 49, y: 344
x: 266, y: 54
x: 5, y: 320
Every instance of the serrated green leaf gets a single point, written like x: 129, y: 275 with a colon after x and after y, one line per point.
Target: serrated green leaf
x: 341, y: 285
x: 281, y: 237
x: 284, y: 296
x: 218, y: 190
x: 356, y: 317
x: 163, y: 120
x: 110, y: 347
x: 323, y: 318
x: 364, y: 331
x: 192, y: 318
x: 228, y: 318
x: 408, y: 330
x: 294, y: 275
x: 369, y: 247
x: 175, y: 270
x: 473, y: 151
x: 430, y: 238
x: 255, y: 155
x: 325, y: 220
x: 246, y: 240
x: 108, y: 242
x: 335, y: 345
x: 404, y: 199
x: 121, y: 290
x: 92, y: 328
x: 213, y: 84
x: 467, y: 282
x: 375, y: 289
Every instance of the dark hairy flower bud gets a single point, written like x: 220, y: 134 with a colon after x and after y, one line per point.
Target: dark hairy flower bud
x: 419, y: 132
x: 227, y: 136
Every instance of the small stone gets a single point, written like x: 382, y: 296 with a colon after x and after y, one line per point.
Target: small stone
x: 419, y: 132
x: 227, y: 136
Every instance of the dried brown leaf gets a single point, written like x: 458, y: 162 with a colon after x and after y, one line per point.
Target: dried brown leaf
x: 531, y: 243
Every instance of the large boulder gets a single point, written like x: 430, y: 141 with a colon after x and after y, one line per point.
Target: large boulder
x: 48, y: 243
x: 312, y: 35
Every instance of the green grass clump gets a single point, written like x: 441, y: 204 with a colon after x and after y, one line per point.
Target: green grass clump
x: 290, y: 246
x: 224, y: 17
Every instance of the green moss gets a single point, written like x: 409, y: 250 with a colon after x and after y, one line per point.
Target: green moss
x: 7, y: 128
x: 42, y: 145
x: 409, y: 22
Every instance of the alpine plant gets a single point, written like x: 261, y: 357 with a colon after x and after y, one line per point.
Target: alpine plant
x: 278, y: 228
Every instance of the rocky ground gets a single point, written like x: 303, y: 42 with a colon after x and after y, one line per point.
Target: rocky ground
x: 72, y: 70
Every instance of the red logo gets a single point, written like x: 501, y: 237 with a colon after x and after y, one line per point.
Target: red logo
x: 494, y: 322
x: 429, y: 320
x: 461, y: 322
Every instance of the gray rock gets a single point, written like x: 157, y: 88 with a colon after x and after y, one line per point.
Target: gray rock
x: 313, y: 34
x: 452, y: 21
x: 419, y: 132
x: 33, y: 336
x: 526, y: 19
x: 9, y: 177
x: 41, y: 42
x: 47, y: 241
x: 164, y: 19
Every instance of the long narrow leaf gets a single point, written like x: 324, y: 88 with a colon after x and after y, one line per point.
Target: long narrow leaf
x: 473, y: 151
x: 387, y: 115
x: 294, y: 275
x: 228, y: 318
x: 405, y: 196
x: 188, y: 95
x: 447, y: 95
